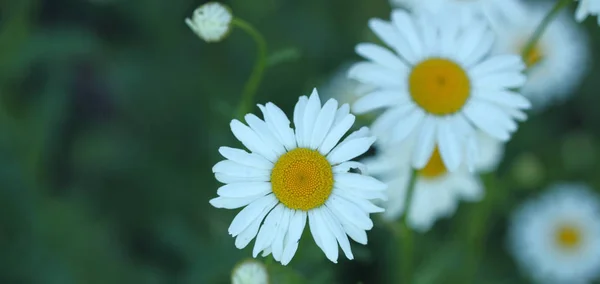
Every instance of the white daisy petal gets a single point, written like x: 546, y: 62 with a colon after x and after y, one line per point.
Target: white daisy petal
x: 338, y: 232
x: 243, y: 219
x: 381, y: 56
x: 407, y: 29
x: 402, y: 130
x: 280, y: 124
x: 313, y: 106
x: 225, y: 178
x: 388, y: 34
x: 267, y: 231
x: 449, y: 146
x: 234, y: 202
x: 251, y: 140
x: 248, y: 234
x: 299, y: 120
x: 234, y: 169
x: 319, y: 228
x: 297, y: 223
x: 426, y: 143
x: 378, y: 99
x: 350, y: 211
x: 278, y: 242
x: 352, y: 180
x: 245, y: 189
x: 370, y: 73
x: 323, y: 123
x: 262, y: 130
x: 350, y: 150
x: 336, y: 133
x: 244, y: 158
x: 346, y: 166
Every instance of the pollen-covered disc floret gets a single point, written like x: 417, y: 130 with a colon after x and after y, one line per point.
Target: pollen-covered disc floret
x: 587, y: 8
x: 439, y: 85
x: 437, y: 192
x: 557, y: 63
x: 556, y: 237
x: 291, y: 175
x: 211, y: 21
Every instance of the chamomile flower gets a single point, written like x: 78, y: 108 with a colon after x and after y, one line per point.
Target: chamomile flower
x: 291, y: 176
x: 439, y: 86
x: 211, y: 21
x: 558, y: 62
x: 556, y: 238
x: 496, y: 12
x: 586, y: 8
x: 437, y: 192
x: 250, y: 272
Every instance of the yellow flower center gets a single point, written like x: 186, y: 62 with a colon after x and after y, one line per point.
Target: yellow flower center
x: 435, y: 167
x: 302, y: 179
x: 534, y: 56
x: 568, y: 237
x: 439, y: 86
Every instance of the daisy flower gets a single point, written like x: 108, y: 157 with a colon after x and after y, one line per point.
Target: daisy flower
x: 291, y: 176
x: 439, y: 85
x: 250, y: 272
x: 437, y: 191
x: 556, y: 238
x: 559, y: 61
x: 586, y: 8
x: 211, y: 21
x: 496, y: 12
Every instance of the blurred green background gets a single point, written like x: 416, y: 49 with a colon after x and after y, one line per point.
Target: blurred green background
x: 111, y: 114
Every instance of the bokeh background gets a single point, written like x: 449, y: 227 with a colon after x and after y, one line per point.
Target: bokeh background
x: 112, y: 111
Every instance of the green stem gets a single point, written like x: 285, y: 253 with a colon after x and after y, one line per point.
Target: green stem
x: 255, y: 78
x: 539, y: 31
x: 405, y: 236
x: 477, y: 229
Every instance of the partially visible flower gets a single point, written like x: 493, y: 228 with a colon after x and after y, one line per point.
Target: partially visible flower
x: 439, y: 86
x: 437, y: 192
x: 342, y: 88
x: 556, y: 238
x: 496, y: 12
x: 211, y: 21
x: 250, y: 272
x: 556, y: 64
x: 291, y: 176
x: 586, y: 8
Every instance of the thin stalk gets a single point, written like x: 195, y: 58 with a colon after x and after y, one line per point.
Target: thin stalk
x: 539, y: 31
x: 405, y: 236
x: 251, y: 86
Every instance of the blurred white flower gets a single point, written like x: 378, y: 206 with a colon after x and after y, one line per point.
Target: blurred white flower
x: 439, y: 86
x: 559, y: 61
x: 249, y: 272
x: 211, y: 21
x: 496, y: 12
x: 342, y: 88
x: 556, y: 238
x: 586, y: 8
x: 291, y: 176
x: 437, y: 192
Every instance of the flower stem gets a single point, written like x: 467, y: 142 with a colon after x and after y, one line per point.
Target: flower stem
x: 255, y: 78
x: 405, y: 236
x: 477, y: 229
x: 539, y: 31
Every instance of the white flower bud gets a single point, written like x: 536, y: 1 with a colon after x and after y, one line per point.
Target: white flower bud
x: 211, y: 21
x: 249, y: 272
